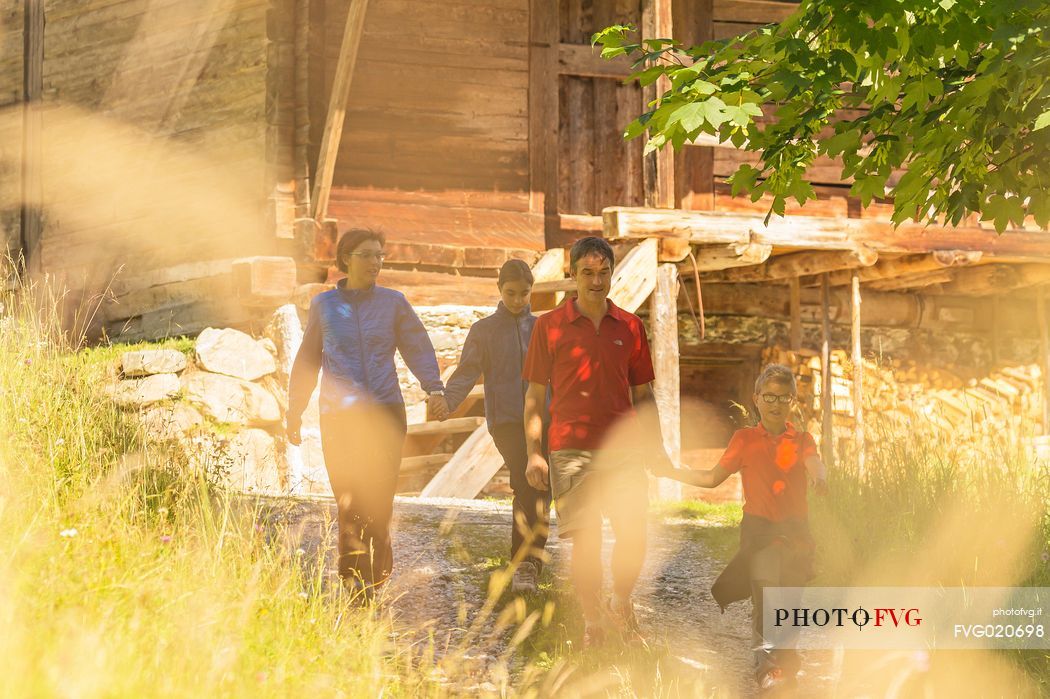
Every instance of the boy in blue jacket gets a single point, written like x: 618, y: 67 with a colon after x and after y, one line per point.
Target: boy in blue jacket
x: 496, y: 347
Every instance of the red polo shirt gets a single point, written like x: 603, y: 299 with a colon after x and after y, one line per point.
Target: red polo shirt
x: 772, y: 470
x: 590, y: 373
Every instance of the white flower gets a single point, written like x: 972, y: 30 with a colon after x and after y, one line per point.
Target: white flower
x: 59, y: 442
x: 68, y: 533
x: 304, y: 595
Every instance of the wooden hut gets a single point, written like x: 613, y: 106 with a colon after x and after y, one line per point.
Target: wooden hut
x: 469, y: 131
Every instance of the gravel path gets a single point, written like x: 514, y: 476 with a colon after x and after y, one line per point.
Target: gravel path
x: 443, y: 550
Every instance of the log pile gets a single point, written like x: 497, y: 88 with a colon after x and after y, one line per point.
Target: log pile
x: 920, y: 398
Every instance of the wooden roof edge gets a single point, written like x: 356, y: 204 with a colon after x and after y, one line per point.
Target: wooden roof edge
x: 820, y: 233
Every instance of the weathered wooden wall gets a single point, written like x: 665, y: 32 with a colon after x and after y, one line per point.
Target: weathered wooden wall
x: 10, y: 123
x: 435, y: 147
x: 158, y: 126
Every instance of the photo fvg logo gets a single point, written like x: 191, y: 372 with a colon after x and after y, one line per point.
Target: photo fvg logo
x: 861, y: 617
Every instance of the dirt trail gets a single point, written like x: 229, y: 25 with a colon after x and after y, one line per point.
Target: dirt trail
x: 440, y: 579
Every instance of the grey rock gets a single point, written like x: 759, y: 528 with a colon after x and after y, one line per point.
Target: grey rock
x: 138, y: 392
x: 233, y: 353
x: 164, y: 422
x: 149, y: 362
x: 231, y: 400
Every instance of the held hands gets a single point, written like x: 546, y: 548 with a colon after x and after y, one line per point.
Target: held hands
x: 438, y: 407
x: 662, y: 466
x: 295, y: 423
x: 537, y: 473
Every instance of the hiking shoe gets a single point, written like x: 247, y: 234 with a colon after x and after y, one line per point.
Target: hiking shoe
x: 524, y: 580
x: 621, y: 614
x: 594, y: 636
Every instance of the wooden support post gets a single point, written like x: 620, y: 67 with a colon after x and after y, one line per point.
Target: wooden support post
x: 795, y: 292
x: 858, y: 377
x: 32, y: 92
x: 663, y: 319
x: 1044, y: 356
x: 333, y: 127
x: 635, y: 276
x: 544, y: 43
x: 657, y: 167
x: 827, y: 431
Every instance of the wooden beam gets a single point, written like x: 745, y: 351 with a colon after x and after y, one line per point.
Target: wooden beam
x: 913, y: 281
x: 634, y: 278
x: 32, y: 226
x: 663, y: 323
x: 452, y: 426
x: 1044, y: 356
x: 820, y: 233
x: 583, y: 60
x: 800, y: 264
x: 469, y: 470
x: 549, y: 268
x: 795, y: 311
x: 424, y: 462
x: 711, y: 258
x: 657, y: 167
x: 982, y: 280
x: 858, y: 376
x: 912, y: 265
x: 827, y: 429
x: 333, y: 127
x: 544, y: 43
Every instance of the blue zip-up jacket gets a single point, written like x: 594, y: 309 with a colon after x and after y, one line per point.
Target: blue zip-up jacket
x: 496, y: 347
x: 351, y: 336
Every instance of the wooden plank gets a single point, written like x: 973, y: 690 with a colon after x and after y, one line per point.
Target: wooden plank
x: 804, y: 264
x: 549, y: 268
x: 710, y: 258
x: 584, y: 60
x: 858, y: 376
x: 543, y: 111
x: 469, y: 470
x: 425, y: 462
x: 658, y: 167
x: 819, y: 233
x: 576, y: 148
x: 453, y: 426
x: 634, y: 278
x: 910, y: 266
x: 663, y: 323
x: 755, y: 11
x: 795, y: 311
x: 32, y: 135
x: 694, y: 167
x: 827, y: 430
x: 333, y: 129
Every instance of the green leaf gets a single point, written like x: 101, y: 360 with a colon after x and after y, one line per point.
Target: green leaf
x: 1042, y: 121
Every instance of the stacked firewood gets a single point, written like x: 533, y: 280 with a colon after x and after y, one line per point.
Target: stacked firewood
x: 908, y: 393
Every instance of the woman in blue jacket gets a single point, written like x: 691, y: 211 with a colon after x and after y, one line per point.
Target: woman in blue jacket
x: 351, y: 335
x: 495, y: 347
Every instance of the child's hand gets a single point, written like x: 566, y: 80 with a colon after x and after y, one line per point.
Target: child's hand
x: 662, y: 468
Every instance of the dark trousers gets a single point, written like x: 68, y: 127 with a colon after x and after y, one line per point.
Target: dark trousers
x: 362, y: 453
x: 772, y: 566
x: 531, y: 507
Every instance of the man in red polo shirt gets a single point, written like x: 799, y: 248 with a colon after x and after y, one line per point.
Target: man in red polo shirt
x: 595, y: 357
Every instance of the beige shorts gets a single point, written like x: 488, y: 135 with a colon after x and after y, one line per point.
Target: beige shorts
x: 589, y: 484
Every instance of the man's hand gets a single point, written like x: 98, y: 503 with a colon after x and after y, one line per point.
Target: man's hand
x: 537, y: 473
x: 295, y: 424
x: 438, y: 406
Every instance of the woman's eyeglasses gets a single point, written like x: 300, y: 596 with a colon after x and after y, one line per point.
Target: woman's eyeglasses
x: 771, y: 398
x: 370, y: 256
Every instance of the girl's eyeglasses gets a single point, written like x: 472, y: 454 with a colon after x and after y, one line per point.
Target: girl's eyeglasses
x: 771, y: 398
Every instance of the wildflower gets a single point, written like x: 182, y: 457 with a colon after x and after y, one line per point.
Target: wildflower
x: 165, y: 539
x: 300, y: 552
x: 1046, y: 556
x: 59, y: 442
x: 68, y: 533
x: 304, y: 595
x: 28, y: 361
